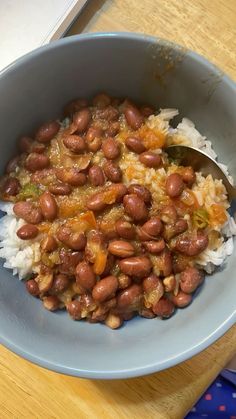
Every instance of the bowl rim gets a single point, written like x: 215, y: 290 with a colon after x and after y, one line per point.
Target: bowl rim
x: 225, y: 325
x: 128, y: 372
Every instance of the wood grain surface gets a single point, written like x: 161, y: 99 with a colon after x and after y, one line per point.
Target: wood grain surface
x: 28, y: 391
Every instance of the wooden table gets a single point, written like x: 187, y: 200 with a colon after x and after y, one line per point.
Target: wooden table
x: 28, y: 391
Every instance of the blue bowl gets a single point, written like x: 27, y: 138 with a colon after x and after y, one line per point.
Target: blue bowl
x: 34, y: 89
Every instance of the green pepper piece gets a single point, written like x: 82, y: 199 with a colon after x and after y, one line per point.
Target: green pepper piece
x: 29, y: 190
x: 200, y: 218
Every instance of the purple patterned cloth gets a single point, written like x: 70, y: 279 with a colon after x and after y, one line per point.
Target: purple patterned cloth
x: 219, y: 401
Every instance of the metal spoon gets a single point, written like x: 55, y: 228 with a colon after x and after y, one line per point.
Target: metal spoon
x: 200, y: 162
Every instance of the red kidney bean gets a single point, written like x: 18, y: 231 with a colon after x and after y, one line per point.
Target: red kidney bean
x: 109, y: 114
x: 38, y: 148
x: 180, y: 262
x: 133, y: 117
x: 76, y: 241
x: 48, y: 244
x: 27, y: 232
x: 36, y: 161
x: 155, y: 246
x: 162, y: 263
x: 146, y: 111
x: 150, y: 230
x: 81, y: 119
x: 93, y: 132
x: 119, y: 190
x: 101, y: 311
x: 168, y: 214
x: 192, y: 245
x: 190, y: 279
x: 96, y: 202
x: 150, y: 159
x: 113, y: 129
x: 74, y: 309
x: 95, y: 145
x: 174, y: 185
x: 125, y: 229
x: 11, y: 186
x: 60, y: 283
x: 47, y: 131
x: 110, y: 148
x: 87, y: 302
x: 105, y: 288
x: 121, y: 248
x: 138, y: 266
x: 135, y: 207
x: 180, y: 226
x: 124, y: 281
x: 72, y: 176
x: 130, y: 298
x: 28, y: 212
x: 128, y: 315
x: 93, y: 138
x: 181, y: 300
x: 172, y: 230
x: 108, y: 305
x: 153, y: 290
x: 74, y: 106
x: 96, y: 238
x: 188, y: 176
x: 147, y: 313
x: 151, y: 282
x: 108, y: 230
x: 96, y: 175
x: 68, y: 261
x: 60, y: 189
x: 85, y: 276
x: 101, y: 101
x: 141, y: 192
x: 48, y: 206
x: 95, y: 318
x: 25, y: 144
x: 112, y: 171
x: 135, y: 144
x: 75, y: 143
x: 164, y: 308
x: 12, y: 165
x: 32, y: 287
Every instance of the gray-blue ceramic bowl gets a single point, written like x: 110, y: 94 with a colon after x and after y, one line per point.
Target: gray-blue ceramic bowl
x: 34, y: 89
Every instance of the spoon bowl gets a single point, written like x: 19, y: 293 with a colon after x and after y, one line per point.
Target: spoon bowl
x: 201, y: 162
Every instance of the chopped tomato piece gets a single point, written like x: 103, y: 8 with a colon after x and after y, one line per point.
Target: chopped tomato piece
x: 100, y: 262
x: 70, y: 208
x: 152, y: 138
x: 89, y: 218
x: 217, y: 214
x: 44, y: 227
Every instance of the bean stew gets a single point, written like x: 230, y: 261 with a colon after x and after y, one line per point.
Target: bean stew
x: 111, y: 248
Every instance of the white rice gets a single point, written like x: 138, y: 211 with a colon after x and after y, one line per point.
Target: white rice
x: 186, y: 133
x: 22, y: 256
